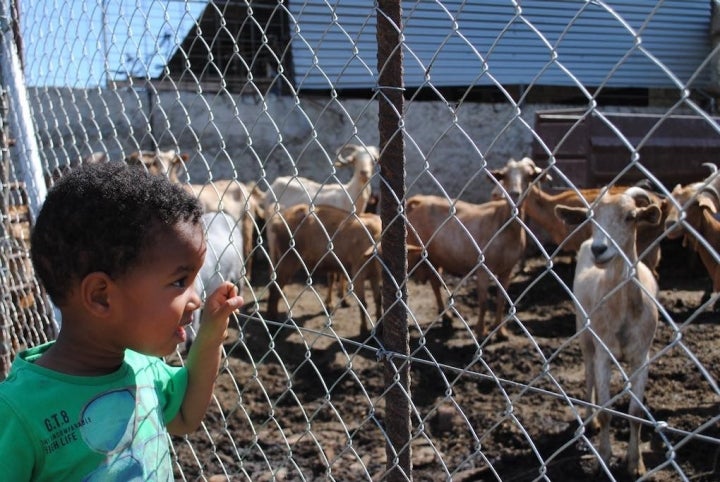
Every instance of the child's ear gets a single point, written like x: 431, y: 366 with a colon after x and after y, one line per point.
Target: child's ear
x: 95, y: 293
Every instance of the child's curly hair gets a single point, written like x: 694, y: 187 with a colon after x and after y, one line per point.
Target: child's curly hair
x: 101, y: 217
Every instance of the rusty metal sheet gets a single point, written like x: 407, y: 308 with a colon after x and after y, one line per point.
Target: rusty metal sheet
x: 611, y: 147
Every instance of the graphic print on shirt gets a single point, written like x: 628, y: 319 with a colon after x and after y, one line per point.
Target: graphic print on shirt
x: 127, y: 427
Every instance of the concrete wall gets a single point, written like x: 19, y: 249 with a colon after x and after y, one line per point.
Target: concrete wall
x: 256, y: 139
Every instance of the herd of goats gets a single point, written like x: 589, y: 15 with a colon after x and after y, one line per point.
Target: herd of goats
x: 614, y: 231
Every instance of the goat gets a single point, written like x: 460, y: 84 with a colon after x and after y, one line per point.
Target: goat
x: 228, y: 195
x: 168, y: 162
x: 462, y: 239
x: 373, y: 223
x: 223, y: 260
x: 289, y: 191
x: 616, y: 311
x: 301, y: 235
x: 700, y: 208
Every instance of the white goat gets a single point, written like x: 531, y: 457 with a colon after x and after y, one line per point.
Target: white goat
x: 301, y: 235
x: 465, y: 239
x: 223, y: 260
x: 286, y: 191
x: 616, y: 311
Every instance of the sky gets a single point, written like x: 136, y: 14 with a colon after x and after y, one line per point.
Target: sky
x: 106, y: 39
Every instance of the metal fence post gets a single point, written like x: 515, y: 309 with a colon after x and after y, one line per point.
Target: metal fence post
x: 12, y: 78
x: 392, y: 192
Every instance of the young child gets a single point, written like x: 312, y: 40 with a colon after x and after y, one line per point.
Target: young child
x: 117, y: 250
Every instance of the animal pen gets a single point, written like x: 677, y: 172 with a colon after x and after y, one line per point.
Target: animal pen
x: 247, y: 91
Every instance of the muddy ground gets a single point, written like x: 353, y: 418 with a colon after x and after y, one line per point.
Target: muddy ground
x: 305, y: 400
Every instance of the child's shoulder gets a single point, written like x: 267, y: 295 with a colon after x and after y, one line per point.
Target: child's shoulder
x: 148, y: 367
x: 22, y: 368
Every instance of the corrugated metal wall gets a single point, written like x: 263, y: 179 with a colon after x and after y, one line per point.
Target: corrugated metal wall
x: 616, y: 43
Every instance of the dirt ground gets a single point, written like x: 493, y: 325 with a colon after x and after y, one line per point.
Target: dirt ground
x: 305, y: 400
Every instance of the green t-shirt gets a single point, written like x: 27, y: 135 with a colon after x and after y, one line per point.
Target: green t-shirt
x: 111, y: 428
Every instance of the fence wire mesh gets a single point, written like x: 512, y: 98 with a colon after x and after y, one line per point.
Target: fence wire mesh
x: 279, y: 114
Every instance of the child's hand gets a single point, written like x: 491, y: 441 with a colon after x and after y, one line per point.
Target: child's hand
x: 219, y: 306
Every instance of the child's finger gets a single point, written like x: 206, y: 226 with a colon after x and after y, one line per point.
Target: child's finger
x: 235, y: 303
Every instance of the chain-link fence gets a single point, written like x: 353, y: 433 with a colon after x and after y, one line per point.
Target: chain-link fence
x: 410, y: 110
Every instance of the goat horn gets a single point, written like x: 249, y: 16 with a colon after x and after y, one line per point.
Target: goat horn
x: 636, y: 192
x: 344, y: 152
x: 713, y: 168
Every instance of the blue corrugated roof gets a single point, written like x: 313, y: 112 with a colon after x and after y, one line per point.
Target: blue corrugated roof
x: 617, y: 43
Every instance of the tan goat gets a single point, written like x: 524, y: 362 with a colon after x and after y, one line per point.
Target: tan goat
x: 616, y: 311
x: 464, y: 239
x: 236, y: 199
x: 301, y: 236
x: 168, y: 162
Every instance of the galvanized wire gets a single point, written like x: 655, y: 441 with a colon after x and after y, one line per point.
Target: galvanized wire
x: 251, y: 91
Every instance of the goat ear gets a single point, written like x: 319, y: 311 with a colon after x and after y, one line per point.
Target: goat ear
x: 496, y: 174
x: 571, y: 215
x: 650, y: 214
x: 706, y: 201
x: 178, y: 159
x: 185, y: 156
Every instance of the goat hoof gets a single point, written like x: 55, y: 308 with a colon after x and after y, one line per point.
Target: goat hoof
x: 499, y: 335
x: 637, y: 471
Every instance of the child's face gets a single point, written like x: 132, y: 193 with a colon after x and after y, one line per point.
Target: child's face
x: 158, y: 296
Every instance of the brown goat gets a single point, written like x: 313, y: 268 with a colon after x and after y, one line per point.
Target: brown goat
x: 299, y: 239
x: 463, y: 239
x: 700, y: 208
